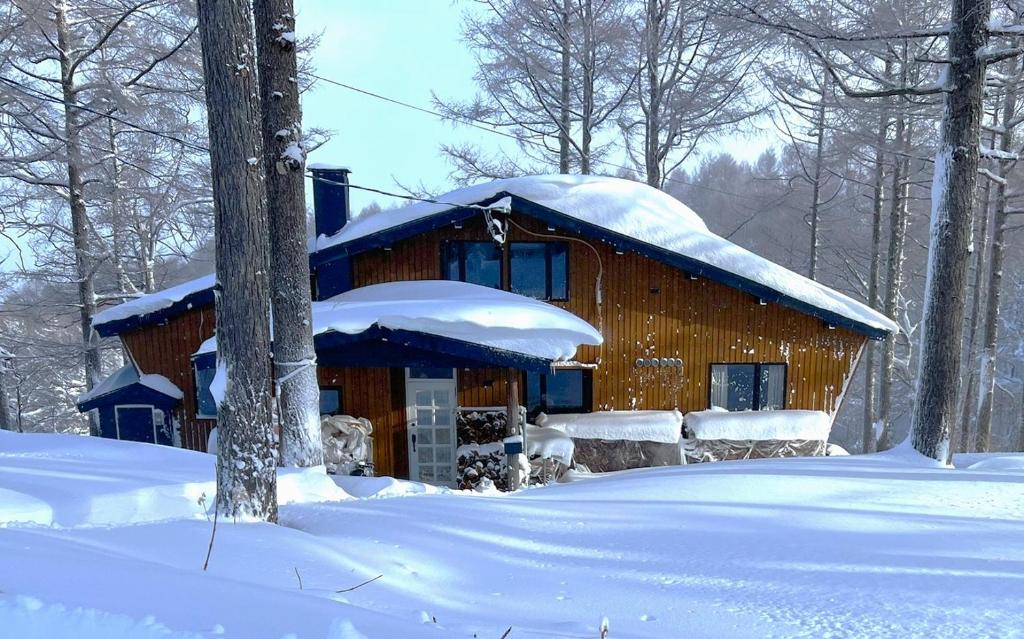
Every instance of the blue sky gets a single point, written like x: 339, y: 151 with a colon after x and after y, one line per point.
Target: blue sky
x: 403, y: 49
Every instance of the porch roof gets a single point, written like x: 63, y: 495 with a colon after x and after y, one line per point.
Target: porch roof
x: 441, y: 323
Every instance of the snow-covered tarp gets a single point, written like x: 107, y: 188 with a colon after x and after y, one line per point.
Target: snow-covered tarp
x: 759, y: 425
x: 153, y: 302
x: 128, y: 375
x: 662, y: 426
x: 455, y: 310
x: 633, y: 210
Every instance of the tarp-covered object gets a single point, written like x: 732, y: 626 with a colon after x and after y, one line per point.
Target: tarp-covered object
x: 617, y: 440
x: 719, y: 435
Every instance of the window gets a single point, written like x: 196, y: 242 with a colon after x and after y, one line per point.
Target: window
x: 566, y: 391
x: 538, y: 269
x: 473, y: 262
x: 330, y: 400
x: 739, y: 387
x: 206, y: 407
x: 427, y: 372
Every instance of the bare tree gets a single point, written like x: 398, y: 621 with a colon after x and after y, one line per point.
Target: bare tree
x: 246, y: 468
x: 284, y: 160
x: 692, y: 84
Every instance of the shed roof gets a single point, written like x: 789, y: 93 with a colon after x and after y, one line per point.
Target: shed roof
x: 124, y: 378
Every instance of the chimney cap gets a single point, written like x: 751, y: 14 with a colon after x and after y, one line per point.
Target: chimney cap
x: 325, y: 166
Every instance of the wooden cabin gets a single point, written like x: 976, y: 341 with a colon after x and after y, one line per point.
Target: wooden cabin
x: 686, y: 320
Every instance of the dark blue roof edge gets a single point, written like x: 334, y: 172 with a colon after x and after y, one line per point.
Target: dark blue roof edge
x: 622, y: 242
x: 116, y: 327
x: 394, y: 234
x: 114, y: 396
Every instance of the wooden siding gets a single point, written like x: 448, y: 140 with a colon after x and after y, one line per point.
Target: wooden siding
x: 650, y: 310
x: 167, y: 349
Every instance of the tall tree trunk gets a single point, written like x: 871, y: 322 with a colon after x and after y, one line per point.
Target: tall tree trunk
x: 118, y: 219
x: 877, y: 203
x: 956, y: 169
x: 819, y: 150
x: 990, y: 327
x: 284, y: 160
x: 6, y: 423
x: 654, y: 20
x: 246, y: 468
x: 898, y: 219
x: 564, y: 122
x: 589, y: 69
x: 969, y: 374
x: 76, y: 200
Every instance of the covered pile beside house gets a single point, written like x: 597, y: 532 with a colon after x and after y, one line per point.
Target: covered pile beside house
x: 618, y: 440
x: 719, y: 435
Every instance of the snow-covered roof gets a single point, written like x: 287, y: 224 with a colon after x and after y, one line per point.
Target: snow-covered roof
x: 634, y: 211
x: 759, y: 425
x: 454, y: 310
x: 128, y: 375
x: 629, y: 210
x: 153, y: 302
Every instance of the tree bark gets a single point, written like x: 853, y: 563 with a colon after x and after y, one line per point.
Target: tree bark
x: 878, y: 202
x: 246, y: 468
x: 589, y: 60
x: 6, y: 423
x: 994, y: 277
x: 819, y: 151
x: 284, y: 161
x: 969, y: 375
x: 564, y: 121
x: 76, y: 201
x: 894, y: 279
x: 956, y: 168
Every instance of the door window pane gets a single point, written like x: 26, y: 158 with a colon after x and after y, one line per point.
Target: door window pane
x: 444, y: 473
x: 423, y: 398
x: 443, y: 455
x: 424, y: 436
x: 441, y: 398
x: 443, y: 436
x: 425, y: 455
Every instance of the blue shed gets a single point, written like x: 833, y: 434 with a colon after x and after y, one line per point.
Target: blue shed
x: 134, y: 406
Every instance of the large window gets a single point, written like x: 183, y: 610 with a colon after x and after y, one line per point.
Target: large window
x: 739, y: 387
x: 206, y: 407
x: 538, y: 269
x: 565, y: 391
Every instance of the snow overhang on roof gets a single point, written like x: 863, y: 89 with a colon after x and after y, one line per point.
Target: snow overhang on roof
x: 631, y: 216
x: 444, y: 315
x: 125, y: 377
x: 154, y: 307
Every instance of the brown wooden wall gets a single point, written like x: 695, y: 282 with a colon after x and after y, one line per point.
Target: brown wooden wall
x: 167, y: 349
x: 649, y: 310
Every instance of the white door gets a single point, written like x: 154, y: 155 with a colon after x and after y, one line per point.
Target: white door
x: 430, y: 416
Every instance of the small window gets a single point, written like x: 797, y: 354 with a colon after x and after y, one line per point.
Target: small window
x: 739, y: 387
x: 473, y: 262
x: 428, y: 372
x: 206, y: 407
x: 330, y: 400
x: 539, y: 269
x: 565, y: 391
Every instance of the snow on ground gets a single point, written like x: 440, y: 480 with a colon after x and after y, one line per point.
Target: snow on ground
x: 882, y: 545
